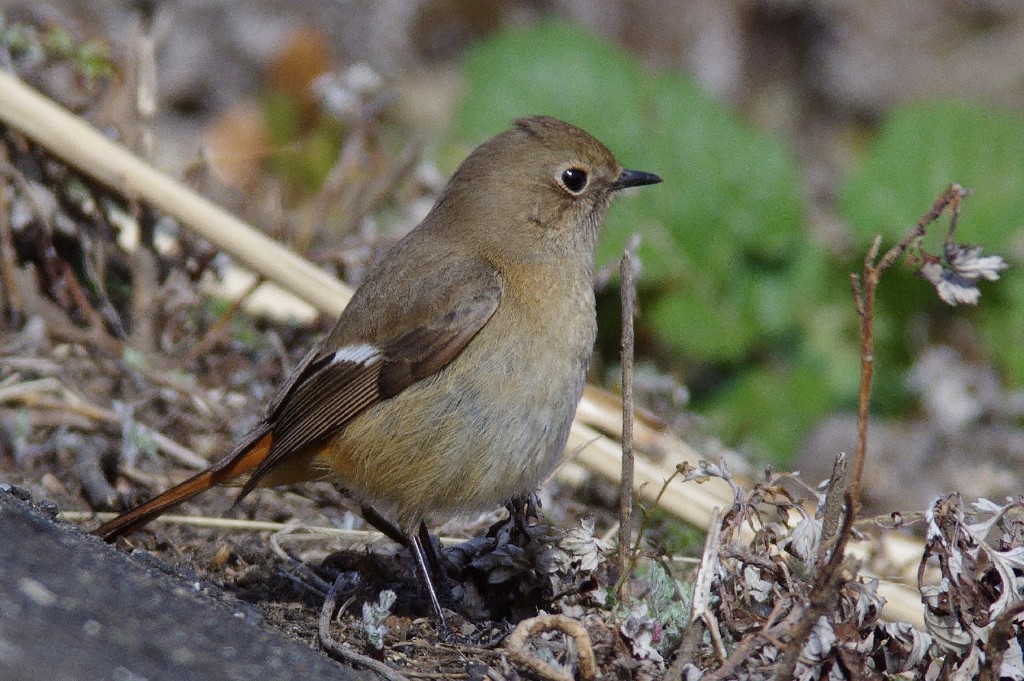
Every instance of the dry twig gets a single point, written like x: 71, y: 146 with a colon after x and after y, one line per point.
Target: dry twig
x: 12, y: 304
x: 833, y: 508
x: 864, y: 289
x: 516, y: 645
x: 37, y: 398
x: 705, y: 577
x: 824, y: 597
x: 829, y: 579
x: 628, y: 297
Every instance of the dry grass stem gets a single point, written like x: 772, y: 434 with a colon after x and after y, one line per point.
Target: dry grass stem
x: 75, y: 141
x: 283, y: 531
x: 628, y: 297
x: 832, y: 511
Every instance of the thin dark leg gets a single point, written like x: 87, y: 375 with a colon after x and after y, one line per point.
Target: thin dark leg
x: 444, y: 633
x: 427, y: 561
x: 383, y: 525
x: 433, y: 557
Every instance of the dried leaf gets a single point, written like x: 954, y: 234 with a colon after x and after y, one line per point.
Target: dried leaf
x: 760, y: 589
x: 581, y: 548
x: 641, y: 632
x: 904, y: 647
x: 804, y: 539
x: 953, y: 289
x: 968, y: 262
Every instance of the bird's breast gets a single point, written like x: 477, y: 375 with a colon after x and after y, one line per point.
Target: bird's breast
x: 489, y: 426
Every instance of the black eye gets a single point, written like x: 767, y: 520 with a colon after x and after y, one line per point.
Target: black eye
x: 574, y: 179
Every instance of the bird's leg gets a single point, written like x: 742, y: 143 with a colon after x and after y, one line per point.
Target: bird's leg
x: 444, y: 632
x: 521, y: 509
x: 391, y: 531
x: 428, y: 545
x: 383, y: 525
x: 433, y: 560
x: 436, y: 563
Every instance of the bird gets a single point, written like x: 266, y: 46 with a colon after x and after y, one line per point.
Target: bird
x: 450, y: 381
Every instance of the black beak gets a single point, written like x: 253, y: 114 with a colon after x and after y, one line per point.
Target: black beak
x: 634, y: 178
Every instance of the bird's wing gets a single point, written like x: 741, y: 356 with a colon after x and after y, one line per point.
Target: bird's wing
x: 338, y: 385
x: 385, y: 341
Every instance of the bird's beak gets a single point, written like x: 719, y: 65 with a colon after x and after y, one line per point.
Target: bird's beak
x: 634, y: 178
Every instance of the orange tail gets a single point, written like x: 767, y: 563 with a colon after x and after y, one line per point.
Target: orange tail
x: 247, y: 456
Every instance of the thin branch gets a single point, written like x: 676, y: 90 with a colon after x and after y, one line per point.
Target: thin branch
x: 634, y: 554
x: 12, y: 304
x: 864, y: 289
x: 832, y: 509
x: 628, y: 296
x: 825, y: 593
x: 746, y: 646
x: 824, y: 598
x: 284, y: 531
x: 950, y: 198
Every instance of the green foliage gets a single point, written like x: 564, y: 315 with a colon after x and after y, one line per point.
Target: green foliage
x: 1002, y: 326
x: 32, y: 47
x: 920, y: 150
x: 309, y: 148
x: 765, y: 406
x: 669, y: 601
x: 671, y: 536
x: 923, y: 147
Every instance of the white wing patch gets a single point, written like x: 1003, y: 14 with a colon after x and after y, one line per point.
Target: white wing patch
x: 363, y: 353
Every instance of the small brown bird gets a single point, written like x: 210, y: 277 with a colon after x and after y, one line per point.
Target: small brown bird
x: 451, y: 379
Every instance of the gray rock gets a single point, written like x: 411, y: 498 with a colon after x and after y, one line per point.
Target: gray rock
x: 73, y: 608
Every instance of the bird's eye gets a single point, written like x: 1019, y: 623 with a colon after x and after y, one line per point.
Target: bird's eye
x: 574, y: 179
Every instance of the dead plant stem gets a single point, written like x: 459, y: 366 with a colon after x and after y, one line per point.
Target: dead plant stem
x: 864, y: 289
x: 628, y: 296
x: 828, y: 582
